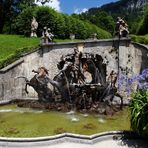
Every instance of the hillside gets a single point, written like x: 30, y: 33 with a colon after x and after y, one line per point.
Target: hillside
x: 123, y: 6
x: 13, y: 46
x: 129, y: 10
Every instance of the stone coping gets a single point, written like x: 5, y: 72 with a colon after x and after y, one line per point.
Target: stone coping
x: 140, y: 45
x: 21, y: 60
x: 86, y: 41
x: 78, y: 140
x: 4, y: 102
x: 76, y: 137
x: 14, y: 64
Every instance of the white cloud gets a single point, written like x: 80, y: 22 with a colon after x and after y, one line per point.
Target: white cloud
x: 53, y: 4
x: 79, y: 11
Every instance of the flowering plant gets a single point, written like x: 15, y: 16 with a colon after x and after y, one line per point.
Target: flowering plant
x: 139, y: 102
x: 126, y: 83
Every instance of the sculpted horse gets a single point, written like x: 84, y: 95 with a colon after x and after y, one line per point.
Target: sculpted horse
x: 40, y: 85
x: 44, y: 93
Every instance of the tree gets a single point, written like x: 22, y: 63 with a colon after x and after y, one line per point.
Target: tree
x: 43, y: 1
x: 45, y: 16
x: 99, y: 18
x: 9, y: 9
x: 103, y: 20
x: 59, y: 26
x: 22, y: 24
x: 143, y: 29
x: 68, y: 26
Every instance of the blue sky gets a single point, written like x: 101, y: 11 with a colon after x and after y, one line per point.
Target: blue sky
x: 71, y: 6
x: 76, y: 6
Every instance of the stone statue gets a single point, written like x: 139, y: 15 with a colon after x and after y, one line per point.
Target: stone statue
x: 94, y: 36
x: 113, y: 78
x: 72, y: 36
x: 121, y: 29
x: 87, y: 75
x: 47, y: 36
x: 34, y: 26
x: 80, y: 83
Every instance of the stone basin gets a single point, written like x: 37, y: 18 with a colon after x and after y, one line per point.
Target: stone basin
x: 112, y: 139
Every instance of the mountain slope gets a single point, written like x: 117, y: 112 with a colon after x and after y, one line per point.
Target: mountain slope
x: 130, y: 10
x: 123, y: 6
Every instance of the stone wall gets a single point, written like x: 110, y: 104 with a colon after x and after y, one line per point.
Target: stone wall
x: 131, y: 56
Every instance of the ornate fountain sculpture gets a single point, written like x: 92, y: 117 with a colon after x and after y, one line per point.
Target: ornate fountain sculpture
x: 80, y: 84
x: 121, y: 29
x: 47, y: 36
x: 34, y: 26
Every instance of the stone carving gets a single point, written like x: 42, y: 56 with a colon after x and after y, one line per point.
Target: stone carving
x: 121, y: 29
x: 34, y: 26
x: 94, y: 36
x: 47, y: 36
x: 72, y: 36
x: 81, y: 82
x: 112, y: 78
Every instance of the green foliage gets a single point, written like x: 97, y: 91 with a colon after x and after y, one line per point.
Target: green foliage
x: 22, y: 23
x: 86, y: 30
x: 133, y: 26
x: 61, y: 25
x: 146, y: 35
x: 139, y: 39
x: 139, y: 112
x: 25, y: 4
x: 69, y: 27
x: 126, y: 9
x: 43, y: 1
x: 9, y: 10
x: 10, y: 51
x: 45, y: 17
x: 15, y: 56
x: 143, y: 28
x: 99, y: 18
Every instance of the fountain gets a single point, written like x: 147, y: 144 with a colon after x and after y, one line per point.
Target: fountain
x: 80, y: 85
x: 82, y: 93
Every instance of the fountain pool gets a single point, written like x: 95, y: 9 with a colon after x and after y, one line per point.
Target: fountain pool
x: 25, y: 122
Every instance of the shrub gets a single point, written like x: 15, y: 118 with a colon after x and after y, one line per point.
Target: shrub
x: 15, y: 56
x: 139, y: 112
x: 139, y: 103
x: 45, y: 16
x: 61, y: 25
x: 22, y: 23
x: 139, y: 39
x: 142, y: 28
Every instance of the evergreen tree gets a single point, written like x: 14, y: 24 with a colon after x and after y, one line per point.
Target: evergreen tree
x: 143, y: 26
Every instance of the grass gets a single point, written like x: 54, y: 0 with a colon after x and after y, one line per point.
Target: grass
x: 146, y: 35
x: 140, y: 39
x: 29, y: 124
x: 13, y: 46
x: 9, y: 44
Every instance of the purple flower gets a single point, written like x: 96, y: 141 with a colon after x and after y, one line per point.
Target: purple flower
x: 142, y: 79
